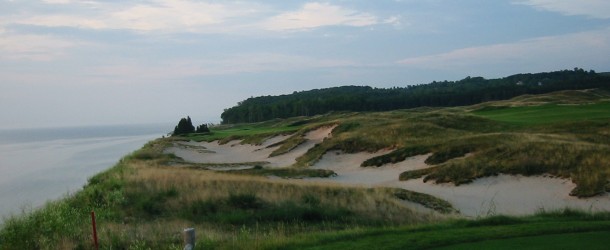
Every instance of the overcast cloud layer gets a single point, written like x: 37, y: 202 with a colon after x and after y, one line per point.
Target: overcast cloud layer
x: 66, y: 62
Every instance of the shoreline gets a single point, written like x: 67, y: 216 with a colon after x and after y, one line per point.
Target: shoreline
x: 61, y: 166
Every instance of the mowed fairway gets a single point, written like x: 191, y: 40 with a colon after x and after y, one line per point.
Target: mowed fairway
x: 550, y: 113
x: 586, y: 240
x: 244, y: 130
x: 536, y: 234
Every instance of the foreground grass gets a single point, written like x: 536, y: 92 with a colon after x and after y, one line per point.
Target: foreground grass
x: 588, y: 240
x: 542, y: 231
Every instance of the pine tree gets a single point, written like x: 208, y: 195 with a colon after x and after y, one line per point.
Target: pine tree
x: 185, y: 126
x: 203, y: 128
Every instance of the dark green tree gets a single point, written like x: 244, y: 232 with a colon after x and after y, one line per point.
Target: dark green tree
x: 185, y: 126
x: 203, y: 128
x: 468, y: 91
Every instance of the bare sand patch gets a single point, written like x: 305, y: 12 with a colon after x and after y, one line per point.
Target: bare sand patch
x: 349, y: 171
x: 235, y: 152
x: 510, y: 194
x: 273, y: 140
x: 503, y: 194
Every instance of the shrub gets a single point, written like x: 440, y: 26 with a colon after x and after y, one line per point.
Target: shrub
x: 244, y: 201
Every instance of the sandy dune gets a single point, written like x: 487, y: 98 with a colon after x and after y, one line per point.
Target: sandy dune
x: 504, y: 194
x: 234, y: 152
x: 508, y: 194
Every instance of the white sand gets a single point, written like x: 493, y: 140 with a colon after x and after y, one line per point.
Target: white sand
x: 235, y: 152
x: 504, y: 194
x: 349, y: 171
x: 508, y: 194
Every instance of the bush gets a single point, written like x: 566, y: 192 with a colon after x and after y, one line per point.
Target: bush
x: 244, y: 201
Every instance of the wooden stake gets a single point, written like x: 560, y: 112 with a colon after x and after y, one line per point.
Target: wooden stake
x: 94, y: 231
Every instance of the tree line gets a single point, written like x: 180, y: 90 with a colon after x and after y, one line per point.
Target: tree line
x: 468, y: 91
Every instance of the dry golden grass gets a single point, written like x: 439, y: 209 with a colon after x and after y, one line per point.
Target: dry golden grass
x: 149, y: 177
x: 559, y: 97
x: 195, y: 185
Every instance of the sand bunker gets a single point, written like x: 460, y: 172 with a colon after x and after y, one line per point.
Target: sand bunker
x: 508, y: 194
x: 235, y: 152
x: 504, y: 194
x: 349, y: 171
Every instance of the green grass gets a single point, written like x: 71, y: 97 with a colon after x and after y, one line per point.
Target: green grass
x: 546, y: 114
x: 296, y: 173
x: 588, y: 240
x: 486, y: 233
x: 255, y: 133
x: 248, y: 209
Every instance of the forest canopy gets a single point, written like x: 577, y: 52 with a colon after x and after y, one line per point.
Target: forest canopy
x: 468, y: 91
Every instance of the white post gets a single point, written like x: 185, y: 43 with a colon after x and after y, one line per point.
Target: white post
x: 189, y: 238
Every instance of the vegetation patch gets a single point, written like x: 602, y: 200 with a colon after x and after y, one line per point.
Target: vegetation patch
x: 395, y: 156
x: 586, y: 164
x: 250, y: 133
x: 248, y: 209
x: 426, y: 200
x: 547, y: 114
x: 295, y: 173
x: 227, y: 166
x: 415, y: 174
x: 288, y: 144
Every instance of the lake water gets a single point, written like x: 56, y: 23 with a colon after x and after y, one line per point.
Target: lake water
x: 37, y: 165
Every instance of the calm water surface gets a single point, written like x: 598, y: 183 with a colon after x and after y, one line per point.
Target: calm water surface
x: 37, y: 165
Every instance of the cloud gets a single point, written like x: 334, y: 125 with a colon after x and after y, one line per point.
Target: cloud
x: 585, y: 49
x: 65, y: 21
x: 314, y: 15
x: 590, y: 8
x: 168, y: 15
x: 171, y: 16
x: 57, y: 1
x: 154, y: 15
x: 246, y: 63
x: 32, y: 47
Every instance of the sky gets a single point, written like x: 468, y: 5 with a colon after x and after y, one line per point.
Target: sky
x: 90, y: 62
